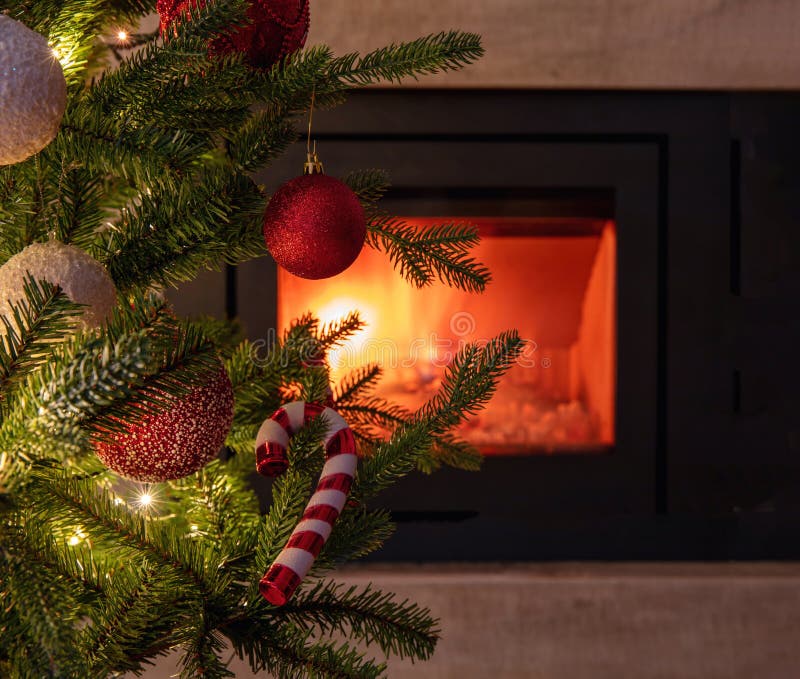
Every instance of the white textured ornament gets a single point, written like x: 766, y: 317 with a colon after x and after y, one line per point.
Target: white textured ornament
x: 33, y: 92
x: 82, y: 278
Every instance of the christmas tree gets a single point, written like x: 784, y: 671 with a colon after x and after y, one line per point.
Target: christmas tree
x: 131, y: 173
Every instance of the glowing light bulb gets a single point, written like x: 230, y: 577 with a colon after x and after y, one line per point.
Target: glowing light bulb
x: 122, y: 36
x: 76, y: 537
x: 194, y: 528
x: 62, y: 54
x: 147, y: 498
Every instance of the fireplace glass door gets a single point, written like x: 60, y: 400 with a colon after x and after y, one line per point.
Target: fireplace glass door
x: 553, y: 279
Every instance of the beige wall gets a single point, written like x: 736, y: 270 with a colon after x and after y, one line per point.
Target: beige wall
x: 694, y: 44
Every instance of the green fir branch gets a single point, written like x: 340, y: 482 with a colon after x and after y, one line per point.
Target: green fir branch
x: 369, y: 185
x: 137, y: 612
x: 77, y: 567
x: 260, y: 139
x: 356, y: 384
x: 358, y: 532
x: 470, y: 381
x: 467, y: 386
x: 142, y: 155
x: 261, y: 378
x: 314, y: 385
x: 64, y: 502
x: 449, y: 451
x: 286, y: 653
x: 422, y: 255
x: 402, y: 629
x: 93, y: 380
x: 184, y: 53
x: 79, y: 379
x: 40, y: 602
x: 223, y: 507
x: 148, y: 313
x: 17, y: 208
x: 201, y: 655
x: 189, y: 361
x: 372, y: 417
x: 168, y: 236
x: 80, y: 211
x: 288, y: 89
x: 225, y: 335
x: 431, y: 54
x: 36, y: 322
x: 338, y: 331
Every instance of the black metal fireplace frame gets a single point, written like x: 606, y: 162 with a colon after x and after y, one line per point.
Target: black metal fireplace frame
x: 511, y: 495
x: 694, y: 490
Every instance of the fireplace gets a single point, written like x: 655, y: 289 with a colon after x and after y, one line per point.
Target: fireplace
x: 571, y: 230
x: 554, y: 280
x: 651, y: 220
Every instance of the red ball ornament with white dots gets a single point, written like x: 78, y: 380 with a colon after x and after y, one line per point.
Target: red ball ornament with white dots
x: 177, y: 441
x: 277, y: 28
x: 314, y: 225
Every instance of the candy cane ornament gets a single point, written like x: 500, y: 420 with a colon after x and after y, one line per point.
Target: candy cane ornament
x: 293, y: 563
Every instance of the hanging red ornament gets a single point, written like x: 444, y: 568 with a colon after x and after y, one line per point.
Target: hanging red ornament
x: 314, y: 225
x: 181, y: 439
x: 277, y: 28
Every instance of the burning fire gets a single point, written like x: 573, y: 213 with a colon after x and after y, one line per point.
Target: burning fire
x: 557, y: 290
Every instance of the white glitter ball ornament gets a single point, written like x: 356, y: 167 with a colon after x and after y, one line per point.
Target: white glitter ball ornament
x: 33, y: 92
x: 82, y: 279
x: 178, y: 441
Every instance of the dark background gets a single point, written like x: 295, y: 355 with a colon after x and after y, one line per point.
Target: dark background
x: 704, y: 190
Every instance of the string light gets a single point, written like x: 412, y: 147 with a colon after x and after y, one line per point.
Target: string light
x: 75, y: 539
x: 63, y: 53
x: 121, y: 36
x: 147, y: 498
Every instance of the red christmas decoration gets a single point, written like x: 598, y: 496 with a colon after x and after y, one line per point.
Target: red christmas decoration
x: 315, y: 526
x: 314, y: 226
x: 176, y: 442
x: 277, y: 29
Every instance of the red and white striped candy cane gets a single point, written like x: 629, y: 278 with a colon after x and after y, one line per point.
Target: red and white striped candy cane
x: 325, y: 505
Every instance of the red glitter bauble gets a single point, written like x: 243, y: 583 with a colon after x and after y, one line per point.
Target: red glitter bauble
x: 184, y: 437
x: 277, y: 28
x: 315, y: 226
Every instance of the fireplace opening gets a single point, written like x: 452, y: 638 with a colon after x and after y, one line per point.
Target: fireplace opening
x: 553, y: 279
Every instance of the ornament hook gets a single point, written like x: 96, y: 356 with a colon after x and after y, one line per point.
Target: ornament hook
x: 313, y: 164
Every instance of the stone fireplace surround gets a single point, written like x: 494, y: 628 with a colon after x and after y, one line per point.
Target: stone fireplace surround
x: 595, y: 621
